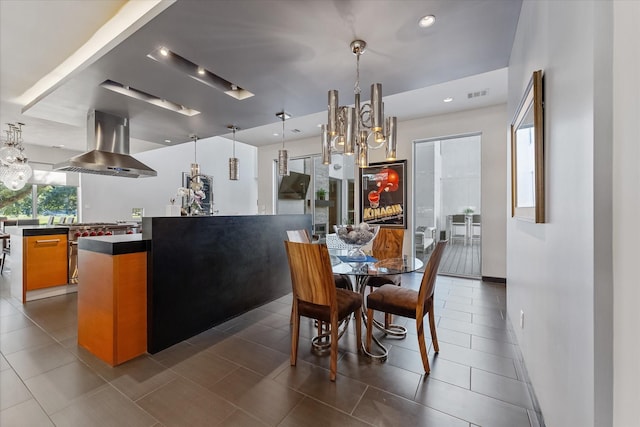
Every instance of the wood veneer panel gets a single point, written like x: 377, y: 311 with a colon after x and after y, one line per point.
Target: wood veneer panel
x: 112, y: 298
x: 96, y: 305
x: 131, y: 305
x: 45, y: 261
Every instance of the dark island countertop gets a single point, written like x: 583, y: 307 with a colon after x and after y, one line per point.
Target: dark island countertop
x: 119, y: 244
x: 35, y: 230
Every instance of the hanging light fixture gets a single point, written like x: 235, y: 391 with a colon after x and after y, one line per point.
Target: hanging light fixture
x: 361, y: 127
x: 14, y: 169
x: 195, y: 182
x: 234, y: 163
x: 283, y: 156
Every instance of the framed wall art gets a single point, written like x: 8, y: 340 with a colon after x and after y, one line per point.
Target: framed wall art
x: 527, y: 155
x: 383, y: 194
x: 197, y: 205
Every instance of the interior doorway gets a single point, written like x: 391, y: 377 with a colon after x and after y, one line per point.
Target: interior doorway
x: 324, y: 191
x: 447, y: 202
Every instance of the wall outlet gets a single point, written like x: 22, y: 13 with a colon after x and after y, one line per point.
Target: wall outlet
x: 522, y: 319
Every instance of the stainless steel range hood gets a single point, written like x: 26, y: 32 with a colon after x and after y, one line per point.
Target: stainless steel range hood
x: 108, y: 142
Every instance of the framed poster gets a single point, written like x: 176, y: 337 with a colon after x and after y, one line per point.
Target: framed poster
x: 383, y: 194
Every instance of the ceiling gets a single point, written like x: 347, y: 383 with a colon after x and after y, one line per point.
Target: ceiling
x: 288, y: 53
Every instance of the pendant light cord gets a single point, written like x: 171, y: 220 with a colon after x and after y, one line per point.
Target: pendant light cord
x: 195, y: 149
x: 234, y: 141
x: 283, y: 118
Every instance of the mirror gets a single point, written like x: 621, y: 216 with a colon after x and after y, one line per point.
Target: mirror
x: 527, y: 155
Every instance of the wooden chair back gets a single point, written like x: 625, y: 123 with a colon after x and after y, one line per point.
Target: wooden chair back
x: 388, y: 243
x: 311, y: 274
x: 300, y: 236
x: 427, y: 286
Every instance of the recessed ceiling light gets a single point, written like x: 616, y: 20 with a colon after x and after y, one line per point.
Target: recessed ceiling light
x: 168, y: 141
x: 448, y: 99
x: 276, y: 134
x: 426, y: 21
x: 198, y: 73
x: 148, y: 98
x: 58, y: 146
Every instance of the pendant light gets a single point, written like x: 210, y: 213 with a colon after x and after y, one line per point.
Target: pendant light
x: 234, y: 163
x: 283, y: 156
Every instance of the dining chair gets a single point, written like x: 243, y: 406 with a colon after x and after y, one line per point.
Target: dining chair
x: 302, y: 236
x: 410, y: 303
x: 387, y: 244
x: 315, y: 296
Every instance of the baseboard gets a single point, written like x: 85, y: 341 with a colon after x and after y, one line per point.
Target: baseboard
x: 494, y: 279
x: 535, y: 416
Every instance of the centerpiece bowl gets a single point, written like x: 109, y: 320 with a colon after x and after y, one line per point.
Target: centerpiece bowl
x: 356, y: 236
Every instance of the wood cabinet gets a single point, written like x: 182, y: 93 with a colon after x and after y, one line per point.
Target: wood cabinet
x: 45, y: 261
x: 112, y: 305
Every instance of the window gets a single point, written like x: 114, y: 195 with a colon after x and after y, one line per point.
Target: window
x: 48, y: 194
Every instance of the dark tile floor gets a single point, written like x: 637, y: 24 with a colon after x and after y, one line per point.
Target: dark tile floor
x: 238, y: 373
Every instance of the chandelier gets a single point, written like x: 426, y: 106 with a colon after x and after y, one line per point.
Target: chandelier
x: 14, y: 170
x: 355, y: 130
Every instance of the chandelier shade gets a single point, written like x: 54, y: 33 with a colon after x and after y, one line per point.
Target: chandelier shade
x: 361, y: 127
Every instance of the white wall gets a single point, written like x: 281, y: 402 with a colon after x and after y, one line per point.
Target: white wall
x: 626, y: 205
x: 489, y: 121
x: 105, y: 198
x: 560, y: 273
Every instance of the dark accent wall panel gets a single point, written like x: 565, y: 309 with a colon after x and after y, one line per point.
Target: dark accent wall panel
x: 205, y: 270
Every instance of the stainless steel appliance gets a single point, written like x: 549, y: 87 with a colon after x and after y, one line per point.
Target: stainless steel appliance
x: 80, y: 230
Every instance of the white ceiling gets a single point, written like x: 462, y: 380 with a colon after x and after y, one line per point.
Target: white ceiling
x: 287, y: 52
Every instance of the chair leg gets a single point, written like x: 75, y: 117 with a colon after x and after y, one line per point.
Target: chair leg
x: 295, y: 336
x: 4, y: 255
x: 333, y: 366
x: 388, y: 319
x: 369, y: 328
x: 358, y: 314
x: 423, y: 347
x: 432, y: 328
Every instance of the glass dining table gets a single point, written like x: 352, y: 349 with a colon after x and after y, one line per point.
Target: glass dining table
x: 360, y: 272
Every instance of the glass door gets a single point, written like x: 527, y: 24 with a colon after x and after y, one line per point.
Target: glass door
x: 447, y: 202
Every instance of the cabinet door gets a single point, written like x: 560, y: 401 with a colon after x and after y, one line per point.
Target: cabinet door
x: 45, y: 261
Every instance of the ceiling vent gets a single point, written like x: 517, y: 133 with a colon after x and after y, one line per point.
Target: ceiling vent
x: 477, y: 94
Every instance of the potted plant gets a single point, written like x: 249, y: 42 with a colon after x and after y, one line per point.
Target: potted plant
x: 321, y: 193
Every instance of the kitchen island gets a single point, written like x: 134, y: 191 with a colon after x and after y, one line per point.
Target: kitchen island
x: 203, y: 270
